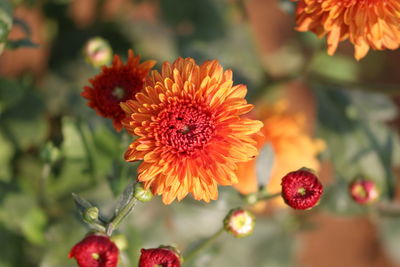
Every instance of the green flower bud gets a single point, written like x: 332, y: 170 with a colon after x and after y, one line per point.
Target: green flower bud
x: 142, y: 194
x: 91, y: 214
x: 121, y: 241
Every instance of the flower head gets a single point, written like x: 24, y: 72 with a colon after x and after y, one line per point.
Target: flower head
x: 301, y: 189
x: 114, y: 84
x: 366, y: 23
x: 162, y: 256
x: 95, y: 251
x: 239, y: 222
x: 364, y: 191
x: 191, y: 135
x: 292, y: 145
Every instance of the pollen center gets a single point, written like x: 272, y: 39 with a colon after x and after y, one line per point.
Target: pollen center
x: 95, y: 256
x: 118, y: 92
x: 301, y: 191
x: 360, y: 191
x: 185, y: 127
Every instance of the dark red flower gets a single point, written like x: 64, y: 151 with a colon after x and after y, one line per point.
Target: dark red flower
x: 95, y: 251
x: 364, y: 191
x: 117, y: 83
x: 159, y: 256
x: 301, y: 189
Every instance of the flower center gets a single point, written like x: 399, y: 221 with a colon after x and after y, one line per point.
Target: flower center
x: 360, y: 192
x: 95, y: 256
x: 242, y: 223
x: 185, y: 127
x: 118, y: 92
x: 302, y: 191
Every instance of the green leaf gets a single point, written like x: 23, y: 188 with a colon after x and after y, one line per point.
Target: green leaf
x: 25, y: 42
x: 23, y: 25
x: 72, y: 146
x: 6, y: 154
x: 11, y: 92
x: 390, y: 236
x: 81, y: 203
x: 337, y: 67
x: 21, y: 214
x: 5, y: 22
x: 126, y: 197
x: 22, y: 119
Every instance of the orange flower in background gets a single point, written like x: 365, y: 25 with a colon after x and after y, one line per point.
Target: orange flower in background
x: 190, y: 134
x: 366, y: 23
x: 293, y: 149
x: 114, y: 84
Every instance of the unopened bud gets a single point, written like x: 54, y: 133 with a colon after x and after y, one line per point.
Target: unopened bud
x: 301, y: 189
x: 173, y: 249
x: 364, y: 191
x: 98, y: 52
x: 121, y: 241
x: 91, y: 214
x: 239, y: 222
x: 162, y: 256
x: 142, y: 194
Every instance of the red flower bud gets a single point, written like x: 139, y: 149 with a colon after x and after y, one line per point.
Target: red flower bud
x: 301, y: 189
x: 95, y: 251
x: 364, y: 191
x: 164, y: 257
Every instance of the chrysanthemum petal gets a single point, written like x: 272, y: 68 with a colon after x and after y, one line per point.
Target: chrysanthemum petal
x: 366, y: 23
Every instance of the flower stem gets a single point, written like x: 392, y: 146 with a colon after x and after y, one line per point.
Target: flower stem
x: 86, y: 146
x: 42, y: 184
x: 269, y: 196
x: 116, y: 221
x: 190, y: 255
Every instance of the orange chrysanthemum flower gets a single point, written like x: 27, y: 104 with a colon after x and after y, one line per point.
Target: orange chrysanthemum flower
x: 190, y: 134
x: 115, y: 84
x: 366, y: 23
x: 293, y: 149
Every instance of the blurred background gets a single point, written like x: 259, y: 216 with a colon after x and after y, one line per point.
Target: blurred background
x: 52, y: 144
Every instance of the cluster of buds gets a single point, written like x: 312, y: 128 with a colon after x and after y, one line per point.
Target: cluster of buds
x: 97, y: 250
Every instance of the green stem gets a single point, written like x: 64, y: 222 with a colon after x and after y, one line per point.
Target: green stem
x: 42, y: 184
x: 88, y: 151
x: 389, y: 209
x: 116, y: 221
x: 269, y: 196
x: 203, y: 245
